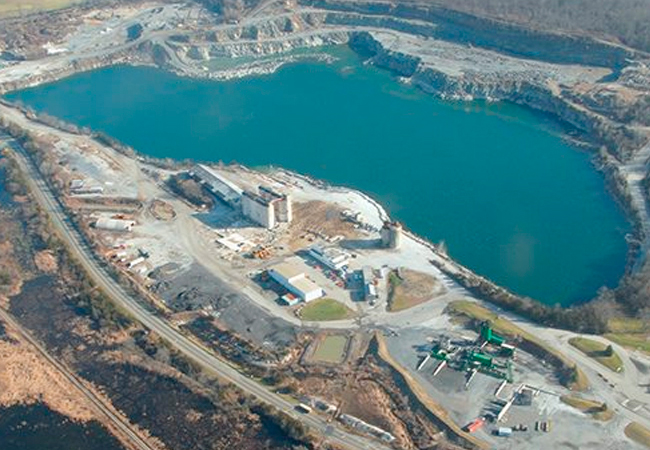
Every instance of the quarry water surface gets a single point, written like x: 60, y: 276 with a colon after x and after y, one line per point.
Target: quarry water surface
x: 511, y: 199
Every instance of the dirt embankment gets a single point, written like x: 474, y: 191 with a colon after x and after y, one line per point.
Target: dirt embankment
x: 363, y: 387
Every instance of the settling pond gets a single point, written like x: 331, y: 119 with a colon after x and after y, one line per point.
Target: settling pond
x: 509, y: 196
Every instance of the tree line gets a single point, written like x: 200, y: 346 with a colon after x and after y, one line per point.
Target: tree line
x: 624, y: 21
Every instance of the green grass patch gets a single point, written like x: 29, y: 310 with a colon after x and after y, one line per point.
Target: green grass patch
x: 631, y: 340
x: 505, y: 327
x: 638, y: 433
x: 598, y: 410
x: 500, y: 325
x: 628, y: 325
x: 331, y: 349
x: 630, y: 333
x: 602, y: 353
x: 325, y: 309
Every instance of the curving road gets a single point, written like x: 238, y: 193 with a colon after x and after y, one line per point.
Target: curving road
x: 84, y: 254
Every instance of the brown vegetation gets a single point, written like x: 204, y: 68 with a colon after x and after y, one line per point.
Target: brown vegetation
x: 410, y: 288
x: 190, y: 190
x: 26, y: 378
x: 162, y: 210
x: 46, y: 261
x: 364, y: 387
x: 142, y: 376
x: 317, y: 217
x: 25, y: 36
x: 625, y: 21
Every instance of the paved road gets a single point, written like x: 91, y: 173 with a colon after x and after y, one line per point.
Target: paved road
x: 626, y: 391
x: 192, y: 350
x: 118, y: 421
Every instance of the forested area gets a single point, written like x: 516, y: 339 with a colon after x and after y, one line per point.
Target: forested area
x: 625, y: 21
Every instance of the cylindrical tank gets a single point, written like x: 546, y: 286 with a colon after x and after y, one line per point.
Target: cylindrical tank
x: 391, y: 235
x: 395, y: 235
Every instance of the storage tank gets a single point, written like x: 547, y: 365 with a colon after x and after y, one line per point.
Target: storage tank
x: 135, y: 262
x: 391, y: 235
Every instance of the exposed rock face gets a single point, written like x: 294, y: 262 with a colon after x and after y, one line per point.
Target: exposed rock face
x: 530, y: 90
x: 398, y: 63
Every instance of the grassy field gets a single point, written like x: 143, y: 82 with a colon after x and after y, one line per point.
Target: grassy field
x: 415, y: 288
x: 638, y: 433
x: 597, y: 410
x: 503, y: 326
x: 631, y: 340
x: 331, y: 349
x: 325, y: 309
x: 15, y: 7
x: 597, y: 350
x: 631, y: 333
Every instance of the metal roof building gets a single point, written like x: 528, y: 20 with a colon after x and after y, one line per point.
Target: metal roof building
x: 331, y: 257
x: 218, y: 184
x: 295, y: 281
x: 114, y: 224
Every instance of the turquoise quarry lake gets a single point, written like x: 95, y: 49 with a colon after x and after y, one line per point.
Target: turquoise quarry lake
x: 509, y: 196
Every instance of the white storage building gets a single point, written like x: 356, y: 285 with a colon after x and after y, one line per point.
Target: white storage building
x: 114, y: 224
x: 295, y: 281
x: 332, y: 257
x: 258, y: 209
x: 267, y: 207
x: 369, y: 288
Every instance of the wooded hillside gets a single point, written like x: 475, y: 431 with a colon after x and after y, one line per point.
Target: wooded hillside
x: 625, y: 21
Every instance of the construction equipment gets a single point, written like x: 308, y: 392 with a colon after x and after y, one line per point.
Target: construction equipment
x: 490, y: 336
x: 261, y: 252
x: 483, y: 359
x: 440, y: 352
x: 475, y: 425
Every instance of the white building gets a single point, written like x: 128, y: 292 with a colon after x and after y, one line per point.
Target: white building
x: 258, y: 209
x: 267, y: 207
x: 114, y: 224
x: 369, y: 288
x: 295, y: 281
x: 331, y: 257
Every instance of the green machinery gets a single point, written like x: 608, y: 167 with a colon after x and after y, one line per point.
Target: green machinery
x: 490, y: 336
x: 440, y: 354
x: 487, y: 365
x: 481, y: 358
